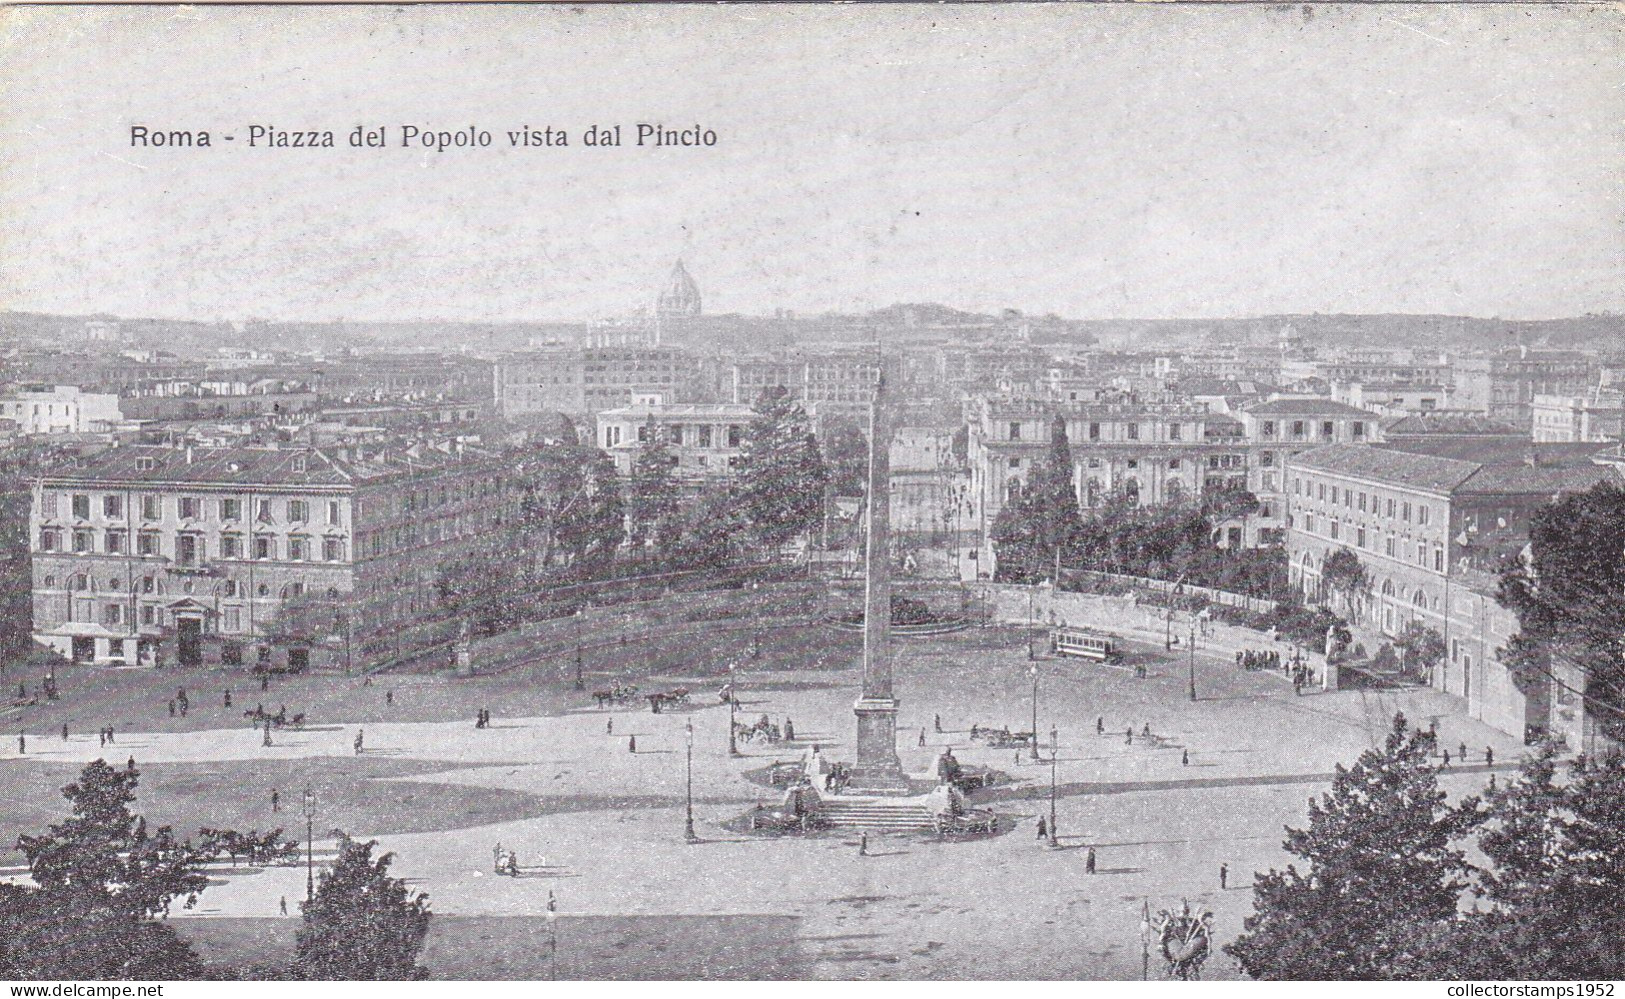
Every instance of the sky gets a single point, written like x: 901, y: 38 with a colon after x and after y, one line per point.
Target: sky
x: 1093, y: 161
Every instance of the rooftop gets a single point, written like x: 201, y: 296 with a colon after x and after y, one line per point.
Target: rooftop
x: 1465, y: 466
x: 238, y: 466
x: 1449, y: 422
x: 1306, y: 407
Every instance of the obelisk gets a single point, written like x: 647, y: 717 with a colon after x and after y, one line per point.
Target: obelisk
x: 878, y: 770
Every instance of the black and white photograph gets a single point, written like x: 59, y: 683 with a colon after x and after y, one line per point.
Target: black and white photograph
x: 705, y: 493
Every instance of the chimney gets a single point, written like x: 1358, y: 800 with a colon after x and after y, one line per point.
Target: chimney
x: 188, y: 454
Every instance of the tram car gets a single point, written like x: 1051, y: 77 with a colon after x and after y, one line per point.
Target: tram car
x: 1086, y: 643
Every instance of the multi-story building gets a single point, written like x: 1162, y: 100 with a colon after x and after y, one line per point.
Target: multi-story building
x: 582, y: 383
x: 60, y: 409
x: 706, y: 440
x: 1598, y: 415
x: 1277, y: 429
x: 1430, y: 521
x: 1505, y: 385
x: 837, y: 383
x: 144, y: 554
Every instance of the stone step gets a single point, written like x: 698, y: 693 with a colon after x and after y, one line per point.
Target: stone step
x: 876, y: 815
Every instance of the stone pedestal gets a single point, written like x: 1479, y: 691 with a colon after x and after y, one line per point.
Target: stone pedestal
x: 878, y: 771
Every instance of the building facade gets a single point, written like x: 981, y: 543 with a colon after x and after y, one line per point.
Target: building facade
x: 61, y: 409
x: 144, y: 555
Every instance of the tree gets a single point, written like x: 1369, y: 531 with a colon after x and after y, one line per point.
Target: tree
x: 652, y: 498
x: 102, y: 884
x: 1421, y: 648
x: 1344, y: 576
x: 363, y: 925
x: 1382, y: 876
x: 782, y: 475
x: 1557, y: 853
x: 571, y: 516
x: 1042, y: 524
x: 846, y: 451
x: 710, y: 531
x: 1568, y: 590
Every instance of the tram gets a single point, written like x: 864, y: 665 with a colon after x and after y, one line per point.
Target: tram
x: 1086, y: 644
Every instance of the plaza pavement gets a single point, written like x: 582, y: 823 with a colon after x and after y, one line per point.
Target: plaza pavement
x: 605, y: 834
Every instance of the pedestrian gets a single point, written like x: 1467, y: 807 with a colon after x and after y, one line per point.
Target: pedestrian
x: 936, y: 722
x: 172, y: 708
x: 110, y: 739
x: 609, y: 727
x: 389, y: 698
x: 1492, y: 782
x: 1147, y: 730
x: 863, y: 844
x: 276, y: 800
x: 1129, y: 732
x: 1447, y: 757
x: 360, y: 737
x: 129, y: 764
x: 790, y: 730
x: 922, y: 737
x: 631, y: 743
x: 1089, y: 861
x: 64, y: 731
x: 1100, y: 725
x: 1043, y: 828
x: 283, y: 905
x: 1489, y: 754
x: 102, y: 735
x: 1184, y: 757
x: 22, y: 744
x: 1224, y: 876
x: 228, y: 699
x: 1018, y: 757
x: 1463, y: 752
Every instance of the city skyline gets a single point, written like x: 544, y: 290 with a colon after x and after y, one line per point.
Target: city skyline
x: 1094, y: 163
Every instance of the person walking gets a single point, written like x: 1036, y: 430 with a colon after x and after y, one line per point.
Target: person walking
x: 1463, y: 748
x: 936, y: 722
x: 863, y: 844
x: 1489, y: 754
x: 1089, y: 861
x: 922, y: 738
x: 129, y: 764
x: 22, y: 744
x: 631, y: 743
x: 389, y: 698
x: 1447, y: 757
x: 1043, y: 828
x: 110, y: 739
x: 102, y: 735
x: 609, y: 727
x: 276, y: 800
x: 172, y: 708
x: 64, y: 731
x: 1100, y: 725
x: 283, y: 905
x: 1129, y: 736
x: 226, y: 701
x: 1224, y: 876
x: 1184, y: 757
x: 360, y: 738
x: 1147, y: 730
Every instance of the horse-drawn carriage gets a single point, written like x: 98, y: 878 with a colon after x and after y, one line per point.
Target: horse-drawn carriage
x: 661, y: 699
x: 618, y: 694
x: 1185, y: 940
x: 1002, y: 738
x: 971, y: 822
x: 781, y: 774
x: 259, y: 716
x: 764, y: 730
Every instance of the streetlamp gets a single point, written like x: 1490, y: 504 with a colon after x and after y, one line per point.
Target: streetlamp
x: 688, y: 821
x: 552, y: 938
x: 1030, y: 654
x: 1053, y: 757
x: 1193, y: 658
x: 733, y: 709
x: 581, y: 684
x: 1033, y: 672
x: 308, y: 807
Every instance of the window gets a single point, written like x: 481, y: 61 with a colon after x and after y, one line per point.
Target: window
x: 115, y: 542
x: 1421, y: 554
x: 298, y: 511
x: 1267, y: 459
x: 1362, y: 502
x: 1015, y: 431
x: 81, y: 541
x: 705, y: 435
x: 1269, y: 428
x: 676, y: 433
x: 734, y: 432
x: 1405, y: 512
x: 147, y: 615
x: 112, y: 614
x: 332, y: 550
x: 1389, y: 550
x: 1390, y: 506
x: 643, y: 433
x: 1094, y: 431
x: 231, y: 509
x: 264, y: 515
x: 264, y: 546
x: 334, y: 512
x: 112, y: 507
x: 1133, y: 431
x: 1173, y: 431
x: 1015, y: 462
x: 1348, y: 498
x: 1422, y: 513
x: 152, y: 508
x: 1309, y: 522
x: 1359, y: 537
x: 1438, y: 560
x: 47, y: 504
x: 191, y: 508
x: 1173, y: 464
x: 1322, y: 490
x: 231, y: 546
x: 146, y: 543
x: 81, y: 506
x: 188, y: 549
x: 232, y: 620
x: 1334, y: 528
x: 48, y: 539
x: 1297, y: 428
x: 297, y: 547
x: 232, y: 589
x: 1359, y: 429
x: 1326, y: 428
x: 1134, y: 463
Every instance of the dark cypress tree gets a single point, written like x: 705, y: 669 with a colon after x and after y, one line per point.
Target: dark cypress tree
x: 363, y: 925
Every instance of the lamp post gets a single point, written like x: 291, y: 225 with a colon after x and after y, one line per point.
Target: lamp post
x: 581, y: 684
x: 552, y: 938
x: 1030, y: 654
x: 308, y: 807
x: 733, y: 709
x: 1193, y: 658
x: 1053, y: 757
x: 1033, y: 672
x: 688, y: 820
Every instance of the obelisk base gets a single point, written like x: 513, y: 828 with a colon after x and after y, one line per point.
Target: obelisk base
x: 878, y: 771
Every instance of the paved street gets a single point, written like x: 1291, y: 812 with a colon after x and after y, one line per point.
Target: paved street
x: 601, y: 827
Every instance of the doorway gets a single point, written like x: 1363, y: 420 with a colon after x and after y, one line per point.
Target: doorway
x: 84, y: 649
x: 189, y: 641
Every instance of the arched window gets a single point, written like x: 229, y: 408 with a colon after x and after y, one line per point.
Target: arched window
x: 264, y: 590
x: 1012, y: 491
x: 1387, y: 587
x: 1131, y: 488
x: 80, y: 583
x: 1421, y: 599
x: 1175, y: 490
x: 112, y: 584
x: 50, y: 582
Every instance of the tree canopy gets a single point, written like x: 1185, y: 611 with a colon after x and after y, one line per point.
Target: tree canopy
x: 782, y: 474
x: 652, y: 498
x: 363, y: 925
